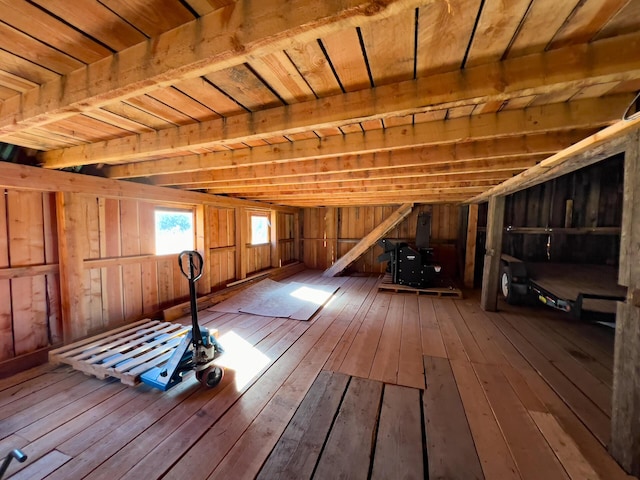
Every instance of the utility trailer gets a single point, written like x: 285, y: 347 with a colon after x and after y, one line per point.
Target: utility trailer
x: 585, y: 291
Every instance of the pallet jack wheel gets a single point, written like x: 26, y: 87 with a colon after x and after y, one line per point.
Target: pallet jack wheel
x: 210, y: 377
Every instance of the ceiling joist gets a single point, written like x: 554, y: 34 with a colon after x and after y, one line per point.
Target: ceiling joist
x: 226, y: 37
x: 555, y: 71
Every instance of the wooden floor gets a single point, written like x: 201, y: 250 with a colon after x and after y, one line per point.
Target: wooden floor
x: 377, y: 385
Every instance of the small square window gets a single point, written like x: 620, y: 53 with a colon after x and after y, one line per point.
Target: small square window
x: 174, y: 231
x: 259, y: 229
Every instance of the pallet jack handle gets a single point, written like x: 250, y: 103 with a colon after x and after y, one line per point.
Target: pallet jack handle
x: 193, y: 273
x: 15, y: 453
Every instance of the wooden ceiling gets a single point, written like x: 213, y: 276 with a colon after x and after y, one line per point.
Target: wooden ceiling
x: 310, y: 103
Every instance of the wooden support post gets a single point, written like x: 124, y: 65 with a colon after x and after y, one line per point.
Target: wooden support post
x: 203, y: 242
x: 470, y: 250
x: 69, y: 219
x: 625, y: 414
x: 331, y: 235
x: 273, y: 239
x: 491, y: 272
x: 297, y: 237
x: 241, y: 243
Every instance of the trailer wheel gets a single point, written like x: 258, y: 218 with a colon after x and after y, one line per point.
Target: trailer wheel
x: 210, y: 377
x: 506, y: 286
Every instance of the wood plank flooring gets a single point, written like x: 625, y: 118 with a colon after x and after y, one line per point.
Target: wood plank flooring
x: 376, y: 385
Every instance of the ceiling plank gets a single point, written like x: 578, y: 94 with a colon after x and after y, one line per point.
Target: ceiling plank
x: 226, y: 37
x: 372, y: 141
x: 586, y: 21
x: 543, y: 20
x: 444, y: 32
x: 496, y: 27
x: 37, y: 23
x: 549, y: 72
x: 390, y: 48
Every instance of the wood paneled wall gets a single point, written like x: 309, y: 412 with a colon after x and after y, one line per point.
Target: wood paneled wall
x: 111, y: 272
x: 29, y: 298
x: 588, y: 203
x: 286, y: 228
x: 329, y: 233
x: 222, y: 245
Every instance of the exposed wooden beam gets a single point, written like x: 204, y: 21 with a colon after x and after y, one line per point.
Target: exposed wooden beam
x: 373, y: 201
x: 70, y: 221
x: 470, y: 249
x: 402, y: 184
x: 436, y: 154
x: 569, y: 68
x: 226, y: 37
x: 355, y: 169
x: 583, y: 114
x: 593, y: 149
x: 369, y: 192
x: 381, y: 197
x: 403, y: 137
x: 625, y: 414
x: 493, y: 250
x: 32, y: 178
x: 369, y: 240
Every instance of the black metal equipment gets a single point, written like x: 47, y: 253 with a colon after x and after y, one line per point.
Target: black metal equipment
x: 15, y: 453
x: 409, y: 265
x: 198, y: 348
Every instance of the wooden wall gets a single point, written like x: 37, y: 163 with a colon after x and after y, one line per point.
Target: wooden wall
x: 575, y: 218
x: 222, y: 245
x: 586, y: 204
x: 329, y: 233
x: 110, y: 273
x: 29, y: 298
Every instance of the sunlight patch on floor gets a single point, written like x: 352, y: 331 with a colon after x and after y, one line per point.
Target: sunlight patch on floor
x: 241, y: 357
x: 312, y: 295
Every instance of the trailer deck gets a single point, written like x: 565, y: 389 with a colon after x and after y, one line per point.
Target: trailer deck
x: 575, y: 288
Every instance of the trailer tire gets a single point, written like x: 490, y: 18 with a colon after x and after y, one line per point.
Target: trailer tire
x: 506, y: 286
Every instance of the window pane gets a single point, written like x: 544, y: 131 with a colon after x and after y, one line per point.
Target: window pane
x: 259, y: 229
x: 174, y: 231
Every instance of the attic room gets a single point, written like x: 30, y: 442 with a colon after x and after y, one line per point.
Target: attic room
x: 170, y: 167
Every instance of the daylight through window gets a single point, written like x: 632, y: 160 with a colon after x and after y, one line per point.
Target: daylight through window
x: 174, y: 231
x: 259, y: 229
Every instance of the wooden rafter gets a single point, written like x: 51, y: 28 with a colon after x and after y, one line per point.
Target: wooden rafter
x: 360, y: 143
x: 224, y: 38
x: 355, y: 168
x: 538, y: 74
x: 384, y: 185
x: 22, y: 177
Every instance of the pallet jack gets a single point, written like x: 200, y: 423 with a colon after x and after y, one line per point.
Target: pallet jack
x: 198, y: 348
x: 15, y: 453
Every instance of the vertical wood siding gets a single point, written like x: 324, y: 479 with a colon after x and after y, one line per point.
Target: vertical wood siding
x: 342, y: 228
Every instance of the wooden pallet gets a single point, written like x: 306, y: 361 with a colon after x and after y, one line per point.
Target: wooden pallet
x: 124, y: 353
x: 450, y: 291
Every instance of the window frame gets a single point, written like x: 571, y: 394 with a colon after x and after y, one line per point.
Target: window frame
x: 263, y: 215
x: 175, y: 209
